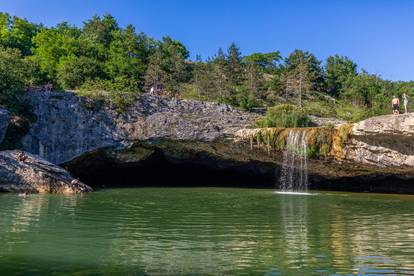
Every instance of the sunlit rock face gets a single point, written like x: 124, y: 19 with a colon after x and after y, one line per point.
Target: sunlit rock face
x: 208, y: 138
x: 68, y: 126
x: 4, y: 123
x: 383, y: 141
x: 35, y: 175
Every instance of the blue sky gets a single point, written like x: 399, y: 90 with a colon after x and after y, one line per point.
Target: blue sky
x: 377, y: 34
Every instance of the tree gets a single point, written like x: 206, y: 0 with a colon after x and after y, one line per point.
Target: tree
x: 155, y: 76
x: 74, y: 71
x: 364, y: 89
x: 202, y: 79
x: 268, y: 62
x: 20, y: 35
x: 298, y: 81
x: 340, y: 72
x: 234, y: 65
x: 127, y: 54
x: 257, y: 65
x: 17, y: 33
x: 97, y: 35
x: 219, y: 76
x: 167, y: 67
x: 311, y: 64
x: 4, y: 28
x: 52, y: 45
x: 13, y: 77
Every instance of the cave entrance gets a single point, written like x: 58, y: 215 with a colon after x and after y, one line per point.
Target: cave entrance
x: 98, y: 170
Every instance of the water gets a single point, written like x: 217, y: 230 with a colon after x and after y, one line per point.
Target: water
x: 294, y: 175
x: 206, y: 231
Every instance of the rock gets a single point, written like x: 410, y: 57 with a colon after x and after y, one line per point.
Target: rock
x: 96, y: 140
x: 383, y: 141
x: 320, y: 121
x: 66, y: 128
x: 35, y: 175
x: 4, y: 123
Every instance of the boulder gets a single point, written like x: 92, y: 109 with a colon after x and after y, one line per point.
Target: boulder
x: 35, y: 175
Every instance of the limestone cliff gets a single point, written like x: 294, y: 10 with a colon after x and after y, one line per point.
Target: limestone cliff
x: 384, y: 141
x: 93, y: 139
x: 68, y: 126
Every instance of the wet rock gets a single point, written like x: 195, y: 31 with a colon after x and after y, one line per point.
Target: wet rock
x: 35, y: 175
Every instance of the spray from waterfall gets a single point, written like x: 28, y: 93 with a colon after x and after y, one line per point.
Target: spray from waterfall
x: 294, y: 174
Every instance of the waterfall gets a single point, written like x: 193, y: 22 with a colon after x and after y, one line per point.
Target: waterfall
x: 294, y: 174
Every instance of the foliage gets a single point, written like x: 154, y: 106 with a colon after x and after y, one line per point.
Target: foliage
x: 74, y: 71
x: 13, y: 76
x: 121, y: 92
x: 286, y: 115
x: 102, y: 53
x: 339, y: 74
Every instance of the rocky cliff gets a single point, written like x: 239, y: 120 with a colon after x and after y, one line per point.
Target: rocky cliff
x: 159, y: 137
x: 384, y: 141
x: 68, y: 126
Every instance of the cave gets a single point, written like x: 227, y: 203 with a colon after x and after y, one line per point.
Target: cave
x: 99, y: 170
x: 164, y: 168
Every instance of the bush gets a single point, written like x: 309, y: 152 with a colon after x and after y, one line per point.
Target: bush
x: 245, y: 99
x: 74, y: 71
x: 13, y: 78
x: 285, y: 115
x: 122, y: 92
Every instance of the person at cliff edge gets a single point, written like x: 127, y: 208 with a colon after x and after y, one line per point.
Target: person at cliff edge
x: 395, y: 105
x: 405, y: 102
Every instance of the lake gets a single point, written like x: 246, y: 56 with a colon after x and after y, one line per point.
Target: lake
x: 207, y: 231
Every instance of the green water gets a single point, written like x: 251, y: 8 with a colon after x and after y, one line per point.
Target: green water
x: 206, y: 231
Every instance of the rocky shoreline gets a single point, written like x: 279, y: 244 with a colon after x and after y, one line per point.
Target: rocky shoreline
x: 35, y: 175
x: 157, y: 134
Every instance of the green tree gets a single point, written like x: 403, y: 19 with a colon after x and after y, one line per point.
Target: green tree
x: 52, y: 45
x: 21, y: 33
x: 74, y: 71
x: 298, y: 81
x: 202, y: 80
x: 364, y: 89
x: 219, y: 76
x: 4, y: 28
x: 97, y: 35
x: 234, y: 65
x: 268, y: 62
x: 167, y: 67
x: 311, y: 64
x: 257, y: 65
x: 339, y: 74
x: 13, y: 77
x: 127, y: 54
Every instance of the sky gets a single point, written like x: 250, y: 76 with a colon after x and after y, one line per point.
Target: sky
x: 377, y: 34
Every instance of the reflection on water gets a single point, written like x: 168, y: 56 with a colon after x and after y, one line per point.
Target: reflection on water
x: 207, y: 231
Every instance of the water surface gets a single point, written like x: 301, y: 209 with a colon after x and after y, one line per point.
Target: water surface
x: 207, y: 231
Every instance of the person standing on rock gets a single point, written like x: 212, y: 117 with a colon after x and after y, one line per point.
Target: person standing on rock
x: 395, y: 105
x: 405, y: 102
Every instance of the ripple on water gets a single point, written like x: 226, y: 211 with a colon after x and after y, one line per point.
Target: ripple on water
x: 207, y: 231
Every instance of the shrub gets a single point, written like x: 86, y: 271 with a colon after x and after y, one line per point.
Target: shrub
x: 13, y: 77
x: 122, y: 92
x: 285, y: 115
x: 245, y: 99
